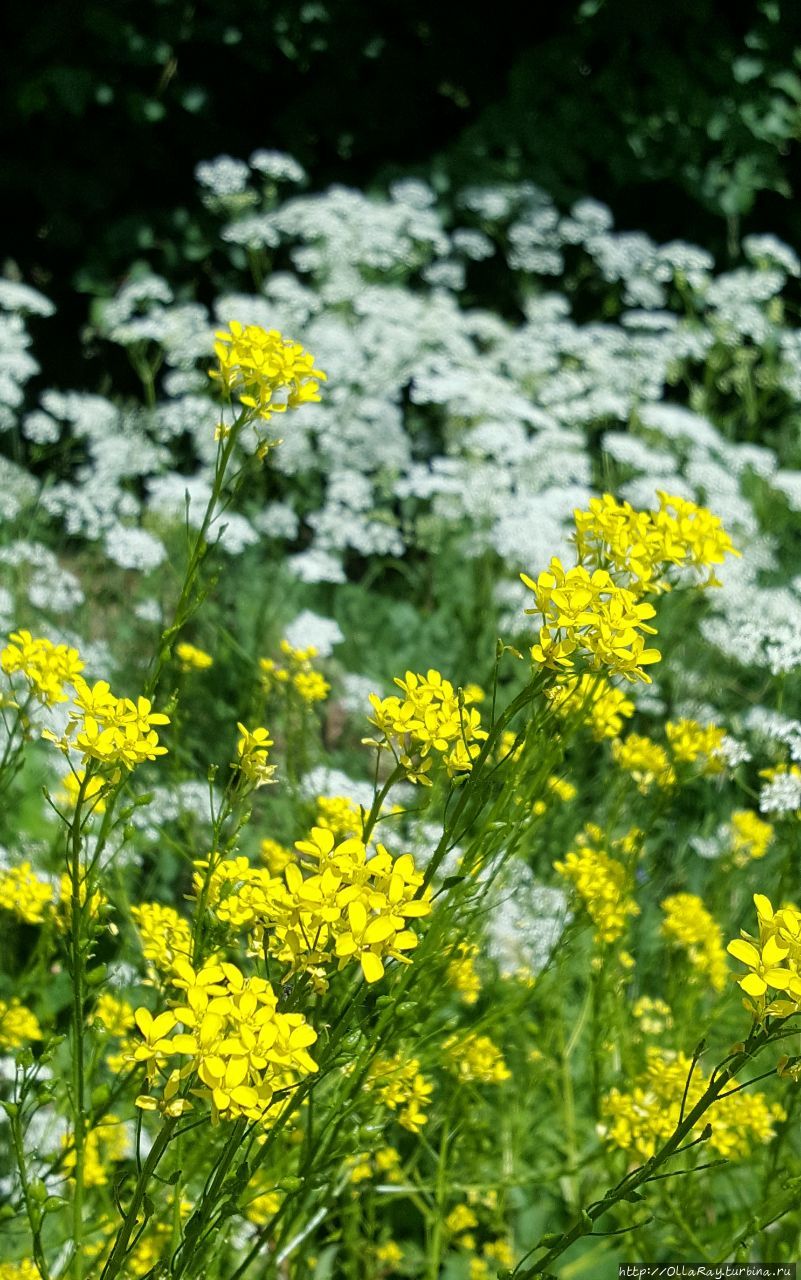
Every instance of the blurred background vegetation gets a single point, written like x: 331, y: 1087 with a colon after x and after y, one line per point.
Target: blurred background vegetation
x: 684, y: 117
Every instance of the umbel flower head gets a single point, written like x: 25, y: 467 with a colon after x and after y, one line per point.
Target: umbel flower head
x: 267, y: 372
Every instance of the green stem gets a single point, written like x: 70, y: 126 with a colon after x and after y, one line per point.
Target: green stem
x: 476, y: 775
x: 78, y: 999
x: 116, y: 1259
x: 33, y: 1211
x: 184, y: 607
x: 440, y: 1192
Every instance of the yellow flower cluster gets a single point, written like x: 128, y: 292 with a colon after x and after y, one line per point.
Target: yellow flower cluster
x: 646, y: 761
x: 773, y: 959
x: 115, y: 1015
x: 239, y: 1048
x: 114, y: 732
x: 646, y: 545
x: 602, y: 882
x: 340, y: 815
x: 638, y: 1122
x: 76, y: 782
x: 261, y: 1207
x: 297, y: 673
x: 191, y: 658
x: 462, y: 974
x: 587, y: 617
x: 25, y: 894
x: 384, y: 1164
x: 388, y: 1255
x: 399, y: 1084
x: 689, y: 925
x: 98, y: 901
x: 750, y: 836
x: 461, y: 1219
x: 475, y: 1059
x: 46, y: 666
x: 252, y: 751
x: 690, y: 741
x: 164, y: 935
x: 593, y: 699
x: 654, y: 1015
x: 350, y: 907
x: 275, y: 855
x: 267, y: 372
x: 593, y: 613
x: 496, y: 1255
x: 24, y: 1270
x: 106, y: 1144
x: 18, y: 1025
x: 431, y: 716
x: 556, y: 787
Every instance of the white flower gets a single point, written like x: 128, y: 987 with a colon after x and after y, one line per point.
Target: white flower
x: 310, y: 629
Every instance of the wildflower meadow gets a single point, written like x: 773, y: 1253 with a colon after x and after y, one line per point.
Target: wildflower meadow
x: 400, y: 745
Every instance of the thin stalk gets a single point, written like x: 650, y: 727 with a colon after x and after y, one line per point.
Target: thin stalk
x: 78, y: 1000
x: 116, y: 1259
x: 33, y: 1211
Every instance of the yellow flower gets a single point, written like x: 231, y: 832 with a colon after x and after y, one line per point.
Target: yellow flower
x: 296, y: 675
x: 46, y: 666
x: 18, y: 1025
x: 592, y: 699
x: 653, y: 1015
x: 267, y: 372
x: 239, y: 1046
x: 773, y: 959
x: 252, y: 750
x: 191, y: 658
x: 587, y: 615
x: 400, y: 1086
x: 276, y: 855
x: 431, y: 717
x: 24, y: 1270
x: 389, y: 1254
x: 72, y: 783
x: 640, y: 1120
x: 116, y: 1016
x: 475, y: 1059
x: 340, y: 815
x: 603, y: 884
x: 25, y: 894
x: 689, y: 741
x: 688, y: 924
x: 163, y: 934
x: 647, y: 546
x: 112, y: 731
x: 462, y: 973
x: 750, y: 836
x: 766, y: 965
x: 460, y: 1219
x: 645, y: 760
x: 499, y: 1252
